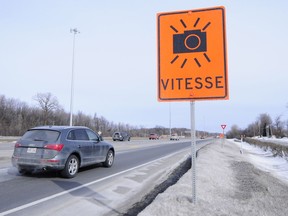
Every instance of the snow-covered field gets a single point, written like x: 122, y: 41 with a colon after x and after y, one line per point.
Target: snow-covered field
x: 228, y: 183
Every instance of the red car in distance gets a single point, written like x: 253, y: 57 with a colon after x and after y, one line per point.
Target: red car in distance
x: 153, y: 136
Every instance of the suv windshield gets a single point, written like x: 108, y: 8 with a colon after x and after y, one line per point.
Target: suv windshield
x: 41, y: 135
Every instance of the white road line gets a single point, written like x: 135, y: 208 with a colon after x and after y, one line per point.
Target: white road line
x: 28, y: 205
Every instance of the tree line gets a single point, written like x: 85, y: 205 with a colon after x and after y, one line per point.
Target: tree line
x: 17, y: 116
x: 263, y: 126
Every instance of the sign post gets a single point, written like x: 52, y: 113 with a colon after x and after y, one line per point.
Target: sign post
x: 223, y: 126
x: 192, y: 62
x: 193, y: 150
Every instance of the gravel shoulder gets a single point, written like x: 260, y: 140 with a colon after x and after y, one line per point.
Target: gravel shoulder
x: 226, y: 184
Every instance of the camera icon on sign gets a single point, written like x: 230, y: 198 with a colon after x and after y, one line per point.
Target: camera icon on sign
x: 189, y: 42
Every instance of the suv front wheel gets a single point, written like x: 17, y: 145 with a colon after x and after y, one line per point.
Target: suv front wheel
x: 109, y: 159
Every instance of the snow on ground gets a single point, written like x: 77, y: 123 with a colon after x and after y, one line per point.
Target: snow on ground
x: 228, y: 183
x: 264, y: 160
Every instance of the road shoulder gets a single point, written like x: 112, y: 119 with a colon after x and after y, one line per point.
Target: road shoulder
x: 227, y: 184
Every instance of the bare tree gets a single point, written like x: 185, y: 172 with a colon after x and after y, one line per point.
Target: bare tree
x: 235, y: 132
x: 83, y: 119
x: 48, y: 104
x: 252, y: 129
x: 279, y: 127
x: 265, y: 122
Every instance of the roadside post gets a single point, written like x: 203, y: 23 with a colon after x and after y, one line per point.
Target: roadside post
x: 192, y: 61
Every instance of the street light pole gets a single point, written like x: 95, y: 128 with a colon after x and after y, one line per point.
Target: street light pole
x: 74, y: 31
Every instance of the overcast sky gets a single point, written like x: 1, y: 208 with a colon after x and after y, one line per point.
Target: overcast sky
x: 115, y: 59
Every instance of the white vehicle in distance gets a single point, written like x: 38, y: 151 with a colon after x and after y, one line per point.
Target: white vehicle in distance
x: 174, y: 136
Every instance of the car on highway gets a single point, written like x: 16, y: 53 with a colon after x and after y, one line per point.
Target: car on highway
x: 61, y: 148
x: 153, y: 136
x: 174, y: 136
x: 121, y: 136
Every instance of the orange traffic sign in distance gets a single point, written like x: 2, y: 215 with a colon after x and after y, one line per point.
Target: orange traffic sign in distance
x: 192, y: 56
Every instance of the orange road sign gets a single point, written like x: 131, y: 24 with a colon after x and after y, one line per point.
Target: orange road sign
x: 192, y: 56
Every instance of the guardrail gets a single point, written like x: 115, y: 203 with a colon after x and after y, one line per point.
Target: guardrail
x: 276, y: 149
x: 8, y: 138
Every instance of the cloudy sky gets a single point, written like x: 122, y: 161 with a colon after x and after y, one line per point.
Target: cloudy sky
x: 116, y: 56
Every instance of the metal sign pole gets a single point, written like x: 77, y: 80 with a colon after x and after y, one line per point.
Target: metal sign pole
x: 223, y: 126
x: 223, y: 142
x: 193, y: 151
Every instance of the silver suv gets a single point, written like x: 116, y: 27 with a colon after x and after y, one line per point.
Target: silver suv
x: 61, y: 148
x: 121, y: 136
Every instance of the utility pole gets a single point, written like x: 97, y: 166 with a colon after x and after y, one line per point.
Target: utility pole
x: 74, y: 31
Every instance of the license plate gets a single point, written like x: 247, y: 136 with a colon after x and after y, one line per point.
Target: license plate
x: 31, y: 150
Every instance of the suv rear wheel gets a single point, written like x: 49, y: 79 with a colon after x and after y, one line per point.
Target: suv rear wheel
x: 71, y: 167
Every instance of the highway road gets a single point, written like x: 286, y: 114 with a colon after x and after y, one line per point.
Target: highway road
x: 138, y: 167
